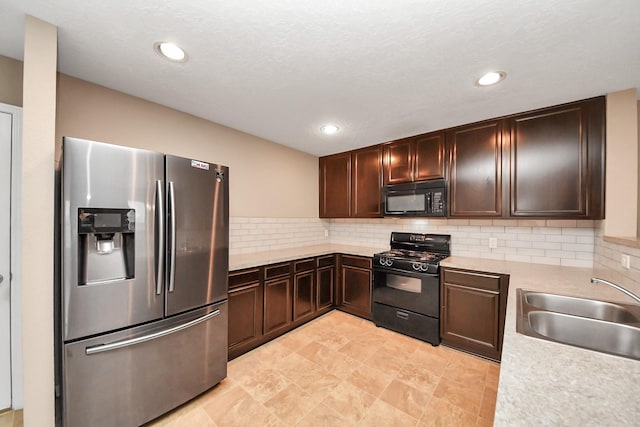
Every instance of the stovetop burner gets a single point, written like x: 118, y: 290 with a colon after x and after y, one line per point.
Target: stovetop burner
x: 415, y: 252
x: 413, y: 255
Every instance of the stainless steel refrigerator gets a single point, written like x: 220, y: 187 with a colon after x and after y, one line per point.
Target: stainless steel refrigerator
x: 142, y: 295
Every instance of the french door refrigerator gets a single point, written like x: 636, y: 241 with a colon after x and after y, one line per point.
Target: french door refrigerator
x: 142, y: 290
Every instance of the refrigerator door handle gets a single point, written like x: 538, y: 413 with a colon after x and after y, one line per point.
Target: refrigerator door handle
x: 133, y: 341
x: 172, y: 226
x: 160, y: 233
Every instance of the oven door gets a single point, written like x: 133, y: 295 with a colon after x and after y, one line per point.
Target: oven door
x: 417, y: 292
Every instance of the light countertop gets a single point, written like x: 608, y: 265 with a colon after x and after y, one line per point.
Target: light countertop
x: 544, y: 383
x: 238, y: 262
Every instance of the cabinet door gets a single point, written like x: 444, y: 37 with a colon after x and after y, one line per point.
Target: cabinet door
x: 325, y: 284
x: 398, y: 162
x: 245, y: 315
x: 303, y: 295
x: 429, y: 154
x: 355, y: 285
x: 476, y: 169
x: 470, y: 318
x: 367, y: 182
x: 335, y: 186
x: 550, y: 168
x: 277, y: 304
x: 245, y: 310
x: 473, y: 306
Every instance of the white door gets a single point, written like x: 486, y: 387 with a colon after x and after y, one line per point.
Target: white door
x: 5, y: 259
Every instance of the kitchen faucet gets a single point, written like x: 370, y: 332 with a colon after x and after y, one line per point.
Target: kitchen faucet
x: 618, y: 287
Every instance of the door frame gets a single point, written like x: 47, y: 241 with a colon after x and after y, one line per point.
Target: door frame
x: 15, y: 276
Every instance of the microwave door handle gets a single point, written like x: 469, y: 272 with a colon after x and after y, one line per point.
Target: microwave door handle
x: 429, y: 202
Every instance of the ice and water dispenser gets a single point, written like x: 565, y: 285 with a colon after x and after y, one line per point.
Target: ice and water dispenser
x: 106, y: 245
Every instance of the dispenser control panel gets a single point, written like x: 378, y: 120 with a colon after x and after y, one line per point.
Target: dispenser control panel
x: 106, y: 220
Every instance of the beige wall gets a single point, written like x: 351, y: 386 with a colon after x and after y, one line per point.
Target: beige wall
x: 621, y: 214
x: 10, y: 81
x: 266, y: 179
x: 638, y: 226
x: 38, y: 146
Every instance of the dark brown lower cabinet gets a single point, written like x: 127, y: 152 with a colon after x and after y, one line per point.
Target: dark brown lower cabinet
x: 304, y: 295
x: 325, y: 282
x: 473, y: 308
x: 277, y: 297
x: 268, y: 301
x: 355, y: 285
x: 245, y: 310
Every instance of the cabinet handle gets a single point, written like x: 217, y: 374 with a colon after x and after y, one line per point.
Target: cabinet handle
x: 484, y: 290
x: 402, y: 315
x: 487, y: 276
x: 245, y: 287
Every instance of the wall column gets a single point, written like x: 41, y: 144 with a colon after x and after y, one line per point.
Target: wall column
x: 621, y: 213
x: 38, y: 143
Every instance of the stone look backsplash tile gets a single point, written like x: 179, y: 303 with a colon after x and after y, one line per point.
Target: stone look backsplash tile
x: 555, y: 242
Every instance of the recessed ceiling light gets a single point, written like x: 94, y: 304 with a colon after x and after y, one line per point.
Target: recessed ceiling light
x: 170, y: 51
x: 491, y: 78
x: 329, y: 129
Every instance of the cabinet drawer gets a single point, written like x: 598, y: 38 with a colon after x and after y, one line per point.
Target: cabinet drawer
x: 353, y: 261
x: 326, y: 261
x: 472, y: 279
x: 277, y: 270
x: 243, y: 277
x: 304, y: 265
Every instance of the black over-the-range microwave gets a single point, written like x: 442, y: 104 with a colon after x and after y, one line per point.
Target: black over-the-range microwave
x: 418, y: 199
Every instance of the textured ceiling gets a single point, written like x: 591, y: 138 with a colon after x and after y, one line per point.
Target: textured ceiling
x: 380, y: 69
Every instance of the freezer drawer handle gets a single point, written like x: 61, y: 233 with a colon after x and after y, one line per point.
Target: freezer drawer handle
x: 172, y: 265
x: 126, y: 343
x: 160, y: 233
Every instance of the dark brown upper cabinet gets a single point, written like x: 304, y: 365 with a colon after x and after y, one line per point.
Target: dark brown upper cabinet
x: 557, y: 161
x: 547, y: 163
x: 366, y: 182
x: 475, y: 182
x: 351, y: 183
x: 335, y: 186
x: 417, y: 158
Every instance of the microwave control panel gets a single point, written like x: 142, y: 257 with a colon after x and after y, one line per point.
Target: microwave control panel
x: 437, y: 202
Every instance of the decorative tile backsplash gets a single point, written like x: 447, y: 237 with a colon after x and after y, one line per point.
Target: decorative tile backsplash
x: 557, y: 242
x: 248, y: 235
x: 609, y: 255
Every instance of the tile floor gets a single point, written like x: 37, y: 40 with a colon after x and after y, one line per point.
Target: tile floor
x: 340, y: 370
x: 11, y: 418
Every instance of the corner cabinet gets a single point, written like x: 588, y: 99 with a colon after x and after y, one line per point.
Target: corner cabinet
x: 351, y: 183
x: 355, y: 285
x: 304, y: 289
x: 557, y: 161
x: 417, y: 158
x: 326, y: 282
x: 473, y: 309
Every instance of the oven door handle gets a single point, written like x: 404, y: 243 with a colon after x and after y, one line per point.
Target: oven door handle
x: 398, y: 272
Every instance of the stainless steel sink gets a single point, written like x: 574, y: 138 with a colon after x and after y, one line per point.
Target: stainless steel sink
x: 580, y: 307
x: 595, y: 325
